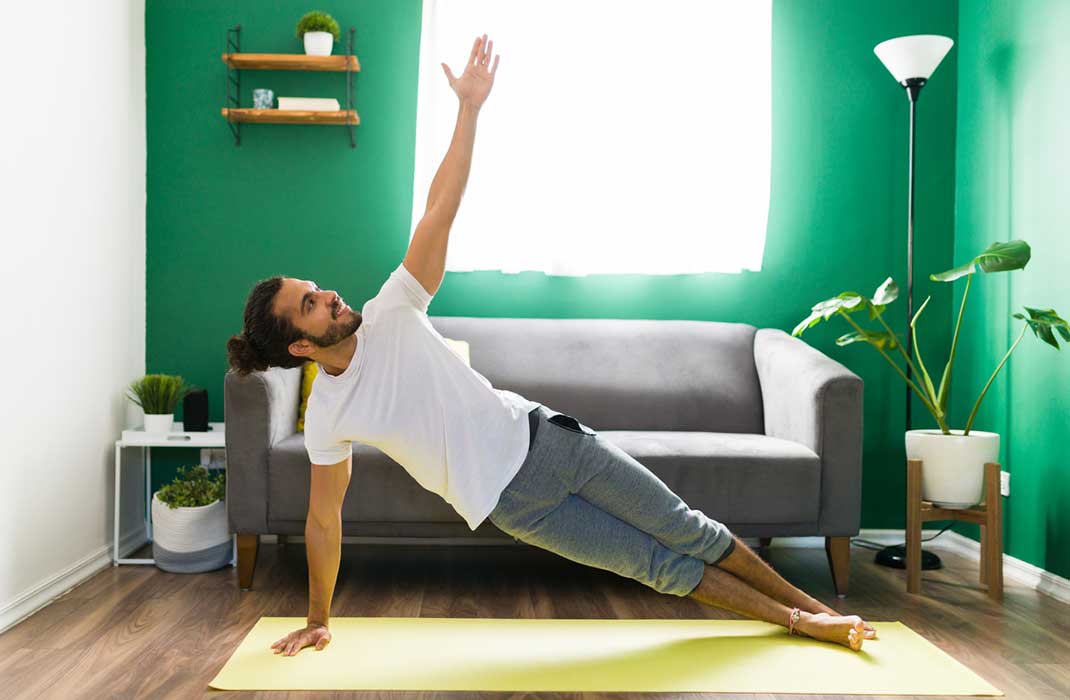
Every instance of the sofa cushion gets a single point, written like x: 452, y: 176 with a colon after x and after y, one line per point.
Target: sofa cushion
x: 622, y: 374
x: 717, y: 473
x: 731, y: 477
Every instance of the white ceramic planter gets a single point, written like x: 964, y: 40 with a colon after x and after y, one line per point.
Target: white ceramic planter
x: 158, y: 424
x: 318, y: 43
x: 952, y: 466
x: 188, y: 540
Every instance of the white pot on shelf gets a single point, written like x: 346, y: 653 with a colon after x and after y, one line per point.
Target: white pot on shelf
x: 952, y: 466
x: 318, y: 43
x: 190, y: 540
x: 159, y: 423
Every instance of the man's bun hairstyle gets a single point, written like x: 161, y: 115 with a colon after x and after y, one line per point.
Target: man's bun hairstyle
x: 265, y: 339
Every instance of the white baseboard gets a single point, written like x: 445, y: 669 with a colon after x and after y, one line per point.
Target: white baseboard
x: 48, y: 590
x: 1014, y: 569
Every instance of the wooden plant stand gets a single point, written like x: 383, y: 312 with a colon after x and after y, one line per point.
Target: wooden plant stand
x: 988, y: 514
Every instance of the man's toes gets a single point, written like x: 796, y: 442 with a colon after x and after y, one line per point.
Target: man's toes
x: 856, y: 634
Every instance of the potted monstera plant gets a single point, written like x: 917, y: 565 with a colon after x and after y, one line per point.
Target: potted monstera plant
x: 189, y: 523
x: 953, y: 459
x: 319, y: 31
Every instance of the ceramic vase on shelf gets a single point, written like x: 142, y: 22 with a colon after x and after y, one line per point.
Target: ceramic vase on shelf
x: 952, y: 466
x: 159, y: 423
x: 318, y: 43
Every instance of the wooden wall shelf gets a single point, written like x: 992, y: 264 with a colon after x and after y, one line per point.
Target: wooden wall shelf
x: 236, y: 62
x: 290, y: 61
x: 290, y: 116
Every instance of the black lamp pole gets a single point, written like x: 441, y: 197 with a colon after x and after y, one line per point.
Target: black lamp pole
x: 913, y: 87
x: 895, y: 555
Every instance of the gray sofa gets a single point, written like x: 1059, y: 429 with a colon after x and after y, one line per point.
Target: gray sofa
x: 751, y: 426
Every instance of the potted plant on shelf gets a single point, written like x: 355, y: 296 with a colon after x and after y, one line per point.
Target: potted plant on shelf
x: 953, y: 460
x: 189, y: 523
x: 319, y: 31
x: 158, y: 394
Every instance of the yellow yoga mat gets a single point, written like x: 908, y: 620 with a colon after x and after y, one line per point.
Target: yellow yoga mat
x: 533, y: 655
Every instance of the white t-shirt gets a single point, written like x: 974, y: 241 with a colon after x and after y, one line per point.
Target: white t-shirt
x: 409, y: 394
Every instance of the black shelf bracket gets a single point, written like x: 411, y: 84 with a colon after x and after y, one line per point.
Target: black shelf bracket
x: 349, y: 86
x: 233, y: 84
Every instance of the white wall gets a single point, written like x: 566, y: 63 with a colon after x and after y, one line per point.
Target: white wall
x: 72, y: 281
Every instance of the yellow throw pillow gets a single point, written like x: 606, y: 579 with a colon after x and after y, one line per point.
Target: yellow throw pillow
x: 307, y: 375
x: 461, y: 348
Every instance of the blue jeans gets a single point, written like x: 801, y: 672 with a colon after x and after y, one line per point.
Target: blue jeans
x: 582, y: 497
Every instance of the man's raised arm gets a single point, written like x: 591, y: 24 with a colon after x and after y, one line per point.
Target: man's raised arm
x: 426, y: 257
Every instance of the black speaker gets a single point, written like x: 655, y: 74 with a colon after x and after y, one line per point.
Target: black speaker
x: 195, y: 411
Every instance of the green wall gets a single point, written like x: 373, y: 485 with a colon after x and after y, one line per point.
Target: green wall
x: 1013, y: 150
x: 297, y: 200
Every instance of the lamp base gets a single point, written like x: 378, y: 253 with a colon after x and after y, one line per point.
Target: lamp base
x: 895, y: 556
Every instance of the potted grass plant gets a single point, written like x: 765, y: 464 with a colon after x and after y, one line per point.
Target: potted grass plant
x: 157, y: 395
x: 189, y: 522
x: 953, y: 459
x: 319, y: 31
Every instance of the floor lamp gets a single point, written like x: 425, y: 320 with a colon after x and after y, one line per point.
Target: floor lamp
x: 911, y: 60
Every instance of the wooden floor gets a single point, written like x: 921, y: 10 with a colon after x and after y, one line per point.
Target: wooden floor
x: 138, y: 632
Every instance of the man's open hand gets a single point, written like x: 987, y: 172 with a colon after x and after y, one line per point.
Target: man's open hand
x: 477, y: 79
x: 305, y: 637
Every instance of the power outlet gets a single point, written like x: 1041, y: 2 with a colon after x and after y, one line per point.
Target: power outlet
x: 213, y: 458
x: 1004, y: 483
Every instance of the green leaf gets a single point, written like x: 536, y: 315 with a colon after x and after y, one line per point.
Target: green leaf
x: 1043, y: 322
x: 880, y: 339
x: 886, y: 293
x: 848, y: 301
x: 1001, y: 257
x: 998, y: 257
x: 954, y: 273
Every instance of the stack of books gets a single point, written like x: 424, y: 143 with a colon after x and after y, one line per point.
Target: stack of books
x: 309, y: 104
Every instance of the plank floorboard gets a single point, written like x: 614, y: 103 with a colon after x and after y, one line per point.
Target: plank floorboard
x: 138, y: 632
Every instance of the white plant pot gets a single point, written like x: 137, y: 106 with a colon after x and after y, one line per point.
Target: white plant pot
x: 952, y: 466
x: 159, y: 423
x: 318, y: 43
x: 189, y: 540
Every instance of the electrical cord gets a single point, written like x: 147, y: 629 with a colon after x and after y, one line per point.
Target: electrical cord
x: 868, y: 544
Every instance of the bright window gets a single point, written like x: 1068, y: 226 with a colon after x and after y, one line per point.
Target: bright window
x: 620, y: 137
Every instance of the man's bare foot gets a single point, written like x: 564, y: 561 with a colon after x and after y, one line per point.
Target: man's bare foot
x: 870, y: 632
x: 848, y: 630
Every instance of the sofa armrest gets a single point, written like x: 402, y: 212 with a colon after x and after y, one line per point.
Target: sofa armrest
x: 260, y: 410
x: 809, y: 398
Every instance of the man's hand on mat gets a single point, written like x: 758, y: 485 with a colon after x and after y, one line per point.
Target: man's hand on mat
x: 478, y: 77
x: 310, y: 635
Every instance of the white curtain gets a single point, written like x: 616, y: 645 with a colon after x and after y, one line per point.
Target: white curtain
x: 620, y: 136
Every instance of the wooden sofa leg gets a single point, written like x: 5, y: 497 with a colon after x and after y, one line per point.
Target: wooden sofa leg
x: 248, y: 547
x: 838, y: 550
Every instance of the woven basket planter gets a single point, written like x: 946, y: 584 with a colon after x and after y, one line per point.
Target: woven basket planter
x: 190, y: 540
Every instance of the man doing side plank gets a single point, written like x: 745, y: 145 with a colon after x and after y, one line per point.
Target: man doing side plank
x: 389, y: 380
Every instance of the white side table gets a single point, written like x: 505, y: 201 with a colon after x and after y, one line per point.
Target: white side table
x: 213, y: 437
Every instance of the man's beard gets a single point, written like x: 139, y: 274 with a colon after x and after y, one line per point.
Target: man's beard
x: 337, y: 332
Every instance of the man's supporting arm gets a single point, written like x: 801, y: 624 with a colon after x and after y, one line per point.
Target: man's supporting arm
x: 323, y: 536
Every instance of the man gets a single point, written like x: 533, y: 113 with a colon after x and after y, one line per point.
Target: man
x: 388, y: 379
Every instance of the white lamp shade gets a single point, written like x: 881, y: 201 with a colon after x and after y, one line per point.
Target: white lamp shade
x: 915, y: 56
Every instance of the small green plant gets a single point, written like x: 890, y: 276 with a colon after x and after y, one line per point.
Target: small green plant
x: 194, y: 487
x: 317, y: 21
x: 998, y: 257
x: 158, y: 393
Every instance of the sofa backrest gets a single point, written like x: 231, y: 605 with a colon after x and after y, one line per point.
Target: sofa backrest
x: 622, y: 374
